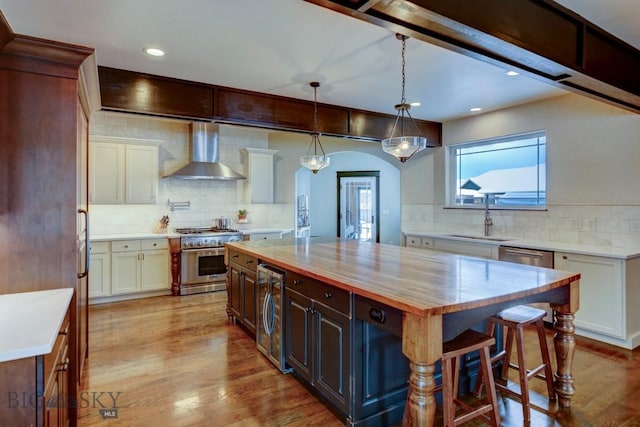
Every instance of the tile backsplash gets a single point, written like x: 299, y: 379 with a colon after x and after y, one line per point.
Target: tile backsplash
x: 603, y: 225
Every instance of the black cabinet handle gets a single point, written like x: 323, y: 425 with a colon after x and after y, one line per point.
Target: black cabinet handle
x: 377, y: 315
x: 297, y: 282
x: 235, y: 256
x: 249, y: 261
x: 328, y: 295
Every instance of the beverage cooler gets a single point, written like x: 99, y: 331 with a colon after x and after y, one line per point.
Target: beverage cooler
x: 270, y: 322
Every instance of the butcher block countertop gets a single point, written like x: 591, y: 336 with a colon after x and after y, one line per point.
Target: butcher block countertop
x: 410, y: 279
x: 30, y: 321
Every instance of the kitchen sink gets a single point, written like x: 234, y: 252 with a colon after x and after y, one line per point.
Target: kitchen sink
x: 493, y: 239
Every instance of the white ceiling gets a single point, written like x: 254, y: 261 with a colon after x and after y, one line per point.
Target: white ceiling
x: 279, y: 46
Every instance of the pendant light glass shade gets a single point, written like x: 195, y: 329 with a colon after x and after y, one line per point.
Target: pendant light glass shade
x: 398, y: 144
x: 315, y: 161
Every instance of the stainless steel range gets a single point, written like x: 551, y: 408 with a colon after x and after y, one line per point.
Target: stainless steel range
x: 202, y: 258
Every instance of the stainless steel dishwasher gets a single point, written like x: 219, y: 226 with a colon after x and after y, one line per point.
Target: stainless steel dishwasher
x: 536, y: 257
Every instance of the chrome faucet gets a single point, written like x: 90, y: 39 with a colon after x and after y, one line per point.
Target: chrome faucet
x: 488, y: 222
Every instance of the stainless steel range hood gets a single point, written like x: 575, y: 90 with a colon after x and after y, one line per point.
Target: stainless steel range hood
x: 205, y: 140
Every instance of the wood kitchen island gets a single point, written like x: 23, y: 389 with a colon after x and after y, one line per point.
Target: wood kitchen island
x: 439, y: 295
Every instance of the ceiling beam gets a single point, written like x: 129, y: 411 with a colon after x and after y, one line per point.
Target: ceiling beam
x: 540, y: 38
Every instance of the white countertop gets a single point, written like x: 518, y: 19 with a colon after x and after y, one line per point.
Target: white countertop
x: 30, y: 322
x: 128, y: 236
x: 265, y: 230
x: 244, y: 229
x: 577, y: 248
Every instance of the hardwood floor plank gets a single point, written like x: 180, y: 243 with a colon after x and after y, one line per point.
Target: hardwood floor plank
x: 177, y: 361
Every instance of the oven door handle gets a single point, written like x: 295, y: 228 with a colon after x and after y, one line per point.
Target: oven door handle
x: 214, y: 251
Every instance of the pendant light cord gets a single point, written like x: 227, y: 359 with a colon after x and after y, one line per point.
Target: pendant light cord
x: 404, y: 77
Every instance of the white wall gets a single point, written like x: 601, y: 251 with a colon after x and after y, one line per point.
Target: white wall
x: 324, y: 194
x: 593, y: 158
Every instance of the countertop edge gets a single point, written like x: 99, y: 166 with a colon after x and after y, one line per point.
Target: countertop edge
x: 577, y: 248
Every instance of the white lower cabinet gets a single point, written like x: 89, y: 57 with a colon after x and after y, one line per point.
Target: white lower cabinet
x: 602, y: 292
x: 130, y: 267
x: 100, y: 269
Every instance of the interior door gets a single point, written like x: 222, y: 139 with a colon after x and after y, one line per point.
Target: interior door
x: 358, y: 207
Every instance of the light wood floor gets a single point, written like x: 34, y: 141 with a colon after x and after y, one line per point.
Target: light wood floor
x: 177, y: 362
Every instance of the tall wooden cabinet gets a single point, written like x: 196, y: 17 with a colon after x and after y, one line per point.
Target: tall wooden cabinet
x: 47, y: 90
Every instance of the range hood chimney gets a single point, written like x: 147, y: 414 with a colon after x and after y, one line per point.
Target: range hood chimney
x: 205, y: 139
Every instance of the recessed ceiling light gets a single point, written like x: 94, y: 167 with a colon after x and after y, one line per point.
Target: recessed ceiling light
x: 153, y: 51
x: 415, y: 104
x: 474, y: 109
x: 512, y: 73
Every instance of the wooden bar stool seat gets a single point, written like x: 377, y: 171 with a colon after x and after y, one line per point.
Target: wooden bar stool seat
x: 515, y: 319
x: 466, y: 342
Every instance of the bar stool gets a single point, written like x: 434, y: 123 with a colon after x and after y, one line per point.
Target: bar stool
x: 464, y: 343
x: 515, y: 319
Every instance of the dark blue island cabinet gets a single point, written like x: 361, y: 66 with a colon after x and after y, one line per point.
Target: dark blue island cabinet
x: 347, y: 349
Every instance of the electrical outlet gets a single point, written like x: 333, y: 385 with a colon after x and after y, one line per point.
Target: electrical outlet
x: 576, y: 223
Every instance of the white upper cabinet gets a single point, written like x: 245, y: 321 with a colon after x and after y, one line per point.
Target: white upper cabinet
x: 259, y: 183
x: 123, y: 170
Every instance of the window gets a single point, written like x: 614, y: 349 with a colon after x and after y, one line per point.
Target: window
x: 509, y: 171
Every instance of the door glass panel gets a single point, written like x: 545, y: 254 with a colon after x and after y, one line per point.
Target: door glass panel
x: 357, y: 207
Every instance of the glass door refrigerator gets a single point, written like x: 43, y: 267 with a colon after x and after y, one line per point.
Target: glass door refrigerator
x: 270, y: 322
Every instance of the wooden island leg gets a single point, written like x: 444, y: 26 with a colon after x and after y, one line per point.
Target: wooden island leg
x: 565, y: 345
x: 422, y: 344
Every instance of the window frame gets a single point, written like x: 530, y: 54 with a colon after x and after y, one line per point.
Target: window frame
x: 451, y: 170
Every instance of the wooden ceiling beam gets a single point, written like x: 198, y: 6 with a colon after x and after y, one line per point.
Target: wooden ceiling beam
x: 539, y: 37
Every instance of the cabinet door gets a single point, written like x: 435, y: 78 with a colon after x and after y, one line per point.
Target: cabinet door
x: 125, y: 272
x: 100, y: 275
x: 249, y: 299
x: 154, y: 274
x: 298, y: 340
x: 331, y: 368
x: 235, y: 291
x: 602, y: 307
x: 141, y: 173
x: 106, y: 180
x: 259, y: 183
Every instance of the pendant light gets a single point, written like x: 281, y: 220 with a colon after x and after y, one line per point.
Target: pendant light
x: 401, y: 146
x: 314, y: 161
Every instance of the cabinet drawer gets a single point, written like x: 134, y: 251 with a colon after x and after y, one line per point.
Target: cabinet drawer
x: 265, y: 236
x: 413, y: 241
x: 99, y: 247
x: 152, y: 244
x: 125, y: 245
x: 336, y: 298
x: 57, y: 358
x: 243, y: 260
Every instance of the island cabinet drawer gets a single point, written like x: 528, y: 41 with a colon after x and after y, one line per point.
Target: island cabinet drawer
x: 125, y: 245
x: 99, y: 247
x: 151, y: 244
x: 336, y: 298
x: 243, y: 260
x: 413, y: 241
